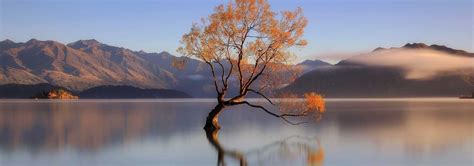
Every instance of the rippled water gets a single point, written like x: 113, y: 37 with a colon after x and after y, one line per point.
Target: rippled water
x: 169, y: 132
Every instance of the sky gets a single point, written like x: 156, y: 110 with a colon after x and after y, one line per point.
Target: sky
x: 336, y: 27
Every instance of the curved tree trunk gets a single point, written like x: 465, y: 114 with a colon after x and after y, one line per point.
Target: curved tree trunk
x: 212, y: 121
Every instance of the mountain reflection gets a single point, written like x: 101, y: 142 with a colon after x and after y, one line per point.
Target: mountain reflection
x: 419, y: 127
x: 83, y: 126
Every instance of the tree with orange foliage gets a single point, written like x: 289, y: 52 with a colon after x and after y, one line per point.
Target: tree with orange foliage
x: 245, y: 44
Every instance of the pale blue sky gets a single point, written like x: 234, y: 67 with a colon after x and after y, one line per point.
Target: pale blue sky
x: 335, y: 26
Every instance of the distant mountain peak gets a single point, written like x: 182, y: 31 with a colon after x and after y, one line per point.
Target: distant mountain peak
x: 33, y: 40
x: 88, y: 40
x: 415, y: 45
x: 438, y: 48
x: 7, y: 41
x: 378, y: 49
x: 309, y: 65
x: 310, y: 61
x: 85, y: 43
x: 43, y: 43
x: 164, y: 53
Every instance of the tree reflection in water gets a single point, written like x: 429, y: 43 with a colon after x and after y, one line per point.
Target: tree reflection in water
x: 290, y: 148
x: 213, y: 138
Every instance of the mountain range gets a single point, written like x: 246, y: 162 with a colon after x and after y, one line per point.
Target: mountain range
x: 88, y: 63
x: 85, y: 64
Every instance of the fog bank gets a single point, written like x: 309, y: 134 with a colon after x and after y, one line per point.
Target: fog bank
x: 419, y: 63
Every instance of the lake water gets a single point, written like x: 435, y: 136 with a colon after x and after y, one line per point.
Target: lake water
x: 169, y: 132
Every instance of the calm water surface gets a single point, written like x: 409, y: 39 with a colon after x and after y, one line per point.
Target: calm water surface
x: 169, y: 132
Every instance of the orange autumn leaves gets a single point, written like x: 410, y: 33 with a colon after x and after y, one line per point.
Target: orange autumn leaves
x: 312, y: 103
x: 315, y: 101
x: 250, y: 38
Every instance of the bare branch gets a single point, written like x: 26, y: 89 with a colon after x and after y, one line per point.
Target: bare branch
x: 256, y: 65
x: 261, y: 94
x: 257, y: 75
x: 283, y: 116
x: 217, y: 60
x: 239, y: 63
x: 214, y: 77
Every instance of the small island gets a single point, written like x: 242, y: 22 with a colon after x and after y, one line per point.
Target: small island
x: 56, y: 94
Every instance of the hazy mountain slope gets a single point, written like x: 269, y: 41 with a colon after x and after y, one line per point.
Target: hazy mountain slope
x: 375, y: 82
x: 355, y: 78
x: 195, y: 78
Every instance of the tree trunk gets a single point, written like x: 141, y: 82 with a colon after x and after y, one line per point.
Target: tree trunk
x: 212, y: 121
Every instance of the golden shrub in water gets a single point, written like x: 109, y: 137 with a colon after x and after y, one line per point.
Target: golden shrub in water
x: 315, y: 101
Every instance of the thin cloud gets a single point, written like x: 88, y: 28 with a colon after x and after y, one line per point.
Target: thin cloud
x: 419, y: 63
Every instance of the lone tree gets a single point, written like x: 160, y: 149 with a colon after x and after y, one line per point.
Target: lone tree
x: 245, y: 45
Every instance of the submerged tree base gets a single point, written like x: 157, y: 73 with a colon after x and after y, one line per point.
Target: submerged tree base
x: 212, y: 120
